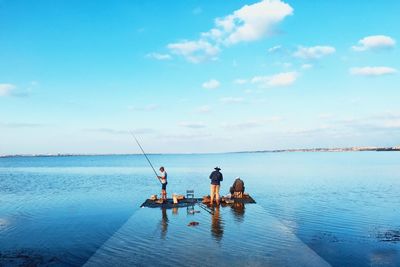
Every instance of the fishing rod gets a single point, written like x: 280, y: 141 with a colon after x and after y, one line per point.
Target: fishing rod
x: 144, y: 153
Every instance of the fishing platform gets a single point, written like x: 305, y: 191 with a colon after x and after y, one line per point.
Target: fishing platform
x: 183, y: 202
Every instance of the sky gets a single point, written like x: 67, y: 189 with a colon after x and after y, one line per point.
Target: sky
x: 194, y: 76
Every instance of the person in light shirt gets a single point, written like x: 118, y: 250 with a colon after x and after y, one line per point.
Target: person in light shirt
x: 164, y: 182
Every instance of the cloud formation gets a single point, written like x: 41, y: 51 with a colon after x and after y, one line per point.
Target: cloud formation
x: 274, y: 49
x: 194, y: 51
x: 240, y: 81
x: 159, y: 56
x: 192, y: 125
x: 249, y: 124
x: 374, y: 42
x: 6, y: 89
x: 249, y: 23
x: 113, y: 131
x: 314, y: 52
x: 203, y: 109
x: 22, y: 125
x: 211, y: 84
x: 277, y: 80
x: 372, y: 71
x: 306, y: 66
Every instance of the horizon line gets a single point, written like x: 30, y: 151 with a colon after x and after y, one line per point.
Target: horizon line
x: 316, y: 149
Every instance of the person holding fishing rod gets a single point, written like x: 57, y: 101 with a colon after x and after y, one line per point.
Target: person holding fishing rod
x: 163, y: 179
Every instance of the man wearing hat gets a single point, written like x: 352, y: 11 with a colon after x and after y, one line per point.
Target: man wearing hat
x: 216, y: 178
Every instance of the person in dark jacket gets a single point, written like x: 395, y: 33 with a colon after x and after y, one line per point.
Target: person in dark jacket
x: 216, y: 178
x: 238, y: 186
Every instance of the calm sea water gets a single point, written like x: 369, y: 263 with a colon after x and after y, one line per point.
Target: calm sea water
x: 340, y: 209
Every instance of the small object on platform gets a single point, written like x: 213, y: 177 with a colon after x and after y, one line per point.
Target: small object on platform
x: 159, y: 201
x: 153, y: 197
x: 175, y: 199
x: 206, y: 199
x: 190, y: 193
x: 193, y: 224
x: 238, y: 195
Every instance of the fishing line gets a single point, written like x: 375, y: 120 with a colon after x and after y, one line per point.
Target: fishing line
x: 144, y: 153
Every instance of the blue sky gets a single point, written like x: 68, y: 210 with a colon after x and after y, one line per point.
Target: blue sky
x: 197, y: 76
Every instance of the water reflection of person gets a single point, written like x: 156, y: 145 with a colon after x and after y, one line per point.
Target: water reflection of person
x: 217, y: 229
x: 238, y: 211
x: 164, y: 223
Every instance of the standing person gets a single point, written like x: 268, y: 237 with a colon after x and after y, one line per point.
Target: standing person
x: 216, y: 178
x: 163, y: 179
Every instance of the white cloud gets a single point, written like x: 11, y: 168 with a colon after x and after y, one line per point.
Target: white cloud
x: 194, y: 51
x: 286, y: 65
x: 372, y: 71
x: 193, y: 125
x: 118, y: 131
x: 22, y: 125
x: 232, y: 100
x: 277, y: 80
x: 392, y: 124
x: 159, y: 56
x: 374, y: 42
x: 240, y: 81
x: 313, y: 52
x: 249, y: 23
x: 252, y: 22
x: 242, y: 125
x: 203, y: 109
x: 253, y: 123
x: 211, y: 84
x: 6, y: 88
x: 306, y: 66
x: 274, y: 49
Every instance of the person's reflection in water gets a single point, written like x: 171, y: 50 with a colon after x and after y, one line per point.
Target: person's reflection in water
x: 164, y: 223
x: 238, y: 211
x: 217, y: 229
x: 175, y: 211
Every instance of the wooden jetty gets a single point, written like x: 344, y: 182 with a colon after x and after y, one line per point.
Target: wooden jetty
x: 186, y: 202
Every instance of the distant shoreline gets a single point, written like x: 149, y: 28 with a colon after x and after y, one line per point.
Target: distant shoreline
x: 321, y: 149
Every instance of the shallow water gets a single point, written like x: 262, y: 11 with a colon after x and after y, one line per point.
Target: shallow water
x: 64, y: 210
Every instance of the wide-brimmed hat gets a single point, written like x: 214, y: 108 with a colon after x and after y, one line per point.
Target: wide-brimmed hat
x: 217, y: 168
